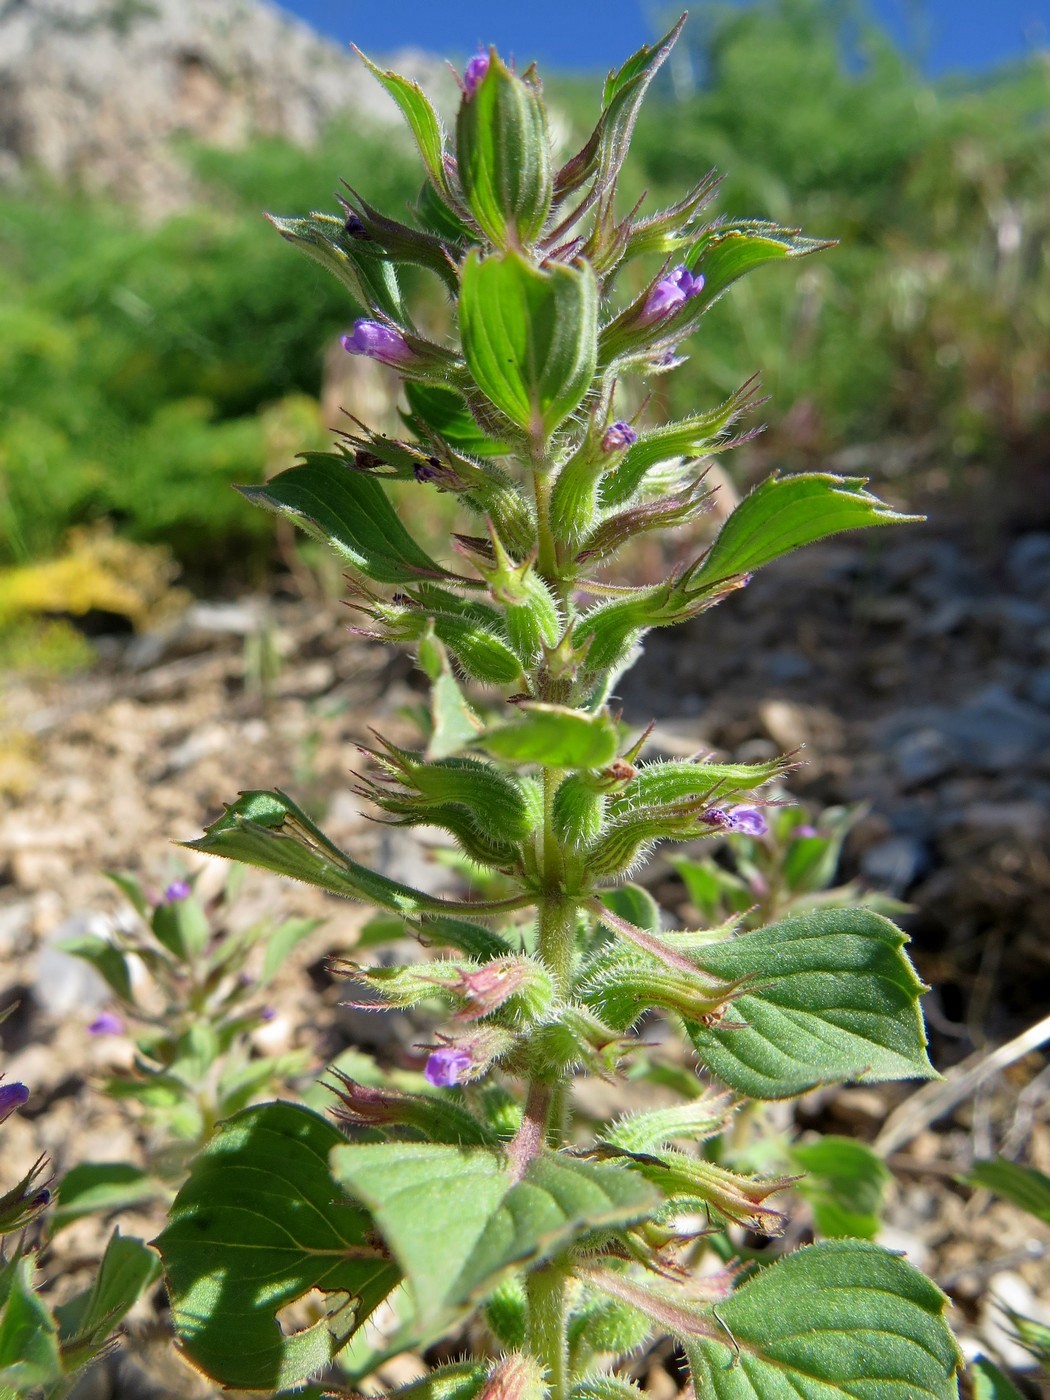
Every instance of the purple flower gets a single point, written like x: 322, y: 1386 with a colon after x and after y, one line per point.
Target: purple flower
x: 354, y: 227
x: 176, y: 891
x: 670, y: 292
x: 378, y: 342
x: 617, y: 436
x: 804, y: 830
x: 447, y: 1066
x: 474, y: 72
x: 741, y: 821
x: 109, y: 1023
x: 12, y: 1096
x: 268, y: 1013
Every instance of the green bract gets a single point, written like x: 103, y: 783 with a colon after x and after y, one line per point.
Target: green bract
x: 459, y: 1182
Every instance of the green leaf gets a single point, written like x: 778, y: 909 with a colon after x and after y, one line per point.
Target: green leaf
x: 503, y: 156
x: 181, y: 926
x: 367, y: 276
x: 87, y: 1321
x: 555, y: 736
x: 454, y: 723
x: 420, y: 116
x: 1021, y: 1186
x: 605, y: 151
x: 988, y: 1383
x: 102, y: 1186
x: 784, y: 513
x: 844, y: 1185
x: 834, y: 999
x: 259, y: 1224
x: 281, y: 942
x: 350, y: 512
x: 28, y: 1333
x: 446, y: 413
x: 109, y: 962
x: 529, y: 337
x: 844, y: 1318
x: 728, y: 251
x: 267, y: 829
x: 457, y: 1222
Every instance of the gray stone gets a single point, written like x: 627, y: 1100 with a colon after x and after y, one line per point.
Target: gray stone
x: 923, y: 756
x: 1028, y: 564
x: 64, y: 984
x: 94, y: 92
x: 994, y: 730
x: 1039, y: 687
x: 895, y: 864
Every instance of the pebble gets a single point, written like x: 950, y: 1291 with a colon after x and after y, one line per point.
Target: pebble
x: 895, y: 864
x: 1028, y: 564
x: 923, y: 756
x: 1008, y: 1292
x: 62, y: 983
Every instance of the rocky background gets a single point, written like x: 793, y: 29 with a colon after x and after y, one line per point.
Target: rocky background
x: 911, y: 666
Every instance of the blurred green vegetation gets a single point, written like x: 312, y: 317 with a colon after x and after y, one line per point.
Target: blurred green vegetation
x: 145, y: 369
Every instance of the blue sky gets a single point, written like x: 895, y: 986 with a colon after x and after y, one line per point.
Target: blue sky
x: 596, y: 34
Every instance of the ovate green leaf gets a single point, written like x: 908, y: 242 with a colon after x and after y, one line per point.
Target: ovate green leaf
x: 259, y: 1224
x: 844, y: 1185
x: 457, y: 1222
x: 102, y: 1186
x: 529, y: 337
x: 840, y: 1319
x: 1021, y: 1186
x: 835, y: 998
x: 350, y: 512
x: 555, y: 736
x: 784, y: 513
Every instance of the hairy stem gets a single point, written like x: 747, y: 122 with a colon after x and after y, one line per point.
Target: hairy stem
x: 545, y: 1336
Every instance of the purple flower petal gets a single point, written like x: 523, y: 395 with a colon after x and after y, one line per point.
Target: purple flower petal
x: 448, y: 1066
x: 378, y: 342
x: 12, y: 1096
x: 672, y: 291
x: 108, y: 1023
x: 740, y: 821
x: 474, y: 72
x: 178, y: 889
x: 617, y: 436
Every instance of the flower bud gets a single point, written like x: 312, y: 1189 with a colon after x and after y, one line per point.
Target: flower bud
x: 378, y: 342
x: 467, y: 1057
x: 738, y: 821
x: 108, y: 1023
x: 448, y: 1066
x: 474, y: 72
x: 671, y: 292
x: 177, y: 891
x: 617, y: 436
x: 12, y: 1097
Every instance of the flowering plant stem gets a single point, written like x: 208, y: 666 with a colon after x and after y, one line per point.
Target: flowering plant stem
x: 460, y: 1182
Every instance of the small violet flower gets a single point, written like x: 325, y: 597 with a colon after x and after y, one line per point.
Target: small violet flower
x: 12, y: 1096
x: 617, y: 436
x: 109, y: 1023
x: 378, y: 342
x: 670, y: 292
x: 448, y: 1066
x: 741, y: 821
x: 474, y: 72
x: 176, y: 891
